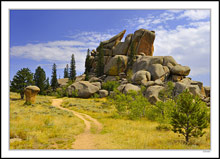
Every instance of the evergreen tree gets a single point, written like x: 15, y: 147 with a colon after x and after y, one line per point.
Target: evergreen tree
x: 54, y: 83
x: 190, y: 116
x: 87, y: 65
x: 100, y: 63
x: 66, y: 71
x: 72, y: 74
x: 131, y: 56
x: 40, y: 79
x: 87, y: 62
x: 22, y: 79
x: 47, y: 85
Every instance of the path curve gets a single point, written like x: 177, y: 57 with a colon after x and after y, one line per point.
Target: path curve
x: 84, y: 140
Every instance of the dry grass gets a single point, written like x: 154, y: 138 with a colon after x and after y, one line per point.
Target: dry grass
x: 128, y: 134
x: 41, y: 126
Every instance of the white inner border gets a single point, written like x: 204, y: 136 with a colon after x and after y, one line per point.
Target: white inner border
x: 214, y: 152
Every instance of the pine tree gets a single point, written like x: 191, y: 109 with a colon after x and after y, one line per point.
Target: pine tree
x: 47, y: 85
x: 131, y: 56
x: 87, y: 65
x: 40, y: 79
x: 54, y: 83
x: 72, y: 74
x: 66, y: 71
x: 100, y: 63
x: 22, y: 79
x: 190, y: 116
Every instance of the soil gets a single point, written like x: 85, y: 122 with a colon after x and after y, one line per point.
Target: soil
x: 85, y: 140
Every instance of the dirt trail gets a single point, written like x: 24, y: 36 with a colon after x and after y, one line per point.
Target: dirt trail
x: 84, y: 140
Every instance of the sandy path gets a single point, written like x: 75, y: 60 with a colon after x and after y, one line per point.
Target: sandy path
x: 84, y: 140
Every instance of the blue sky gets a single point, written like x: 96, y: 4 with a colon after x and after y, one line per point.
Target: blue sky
x: 44, y: 37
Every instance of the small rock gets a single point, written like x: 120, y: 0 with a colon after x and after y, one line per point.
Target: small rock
x: 103, y: 93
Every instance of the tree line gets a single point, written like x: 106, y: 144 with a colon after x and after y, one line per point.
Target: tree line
x: 24, y: 77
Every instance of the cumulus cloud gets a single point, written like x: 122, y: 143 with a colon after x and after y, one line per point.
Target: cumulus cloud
x: 188, y: 45
x: 195, y: 14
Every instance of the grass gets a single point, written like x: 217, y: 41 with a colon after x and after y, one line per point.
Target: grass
x: 41, y: 126
x: 121, y: 133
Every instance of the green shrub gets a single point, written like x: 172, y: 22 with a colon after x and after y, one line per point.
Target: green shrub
x: 95, y: 95
x: 133, y: 104
x: 74, y: 93
x: 110, y: 85
x: 167, y: 92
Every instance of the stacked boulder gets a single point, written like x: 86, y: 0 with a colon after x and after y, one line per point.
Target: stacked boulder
x: 141, y: 41
x: 152, y: 72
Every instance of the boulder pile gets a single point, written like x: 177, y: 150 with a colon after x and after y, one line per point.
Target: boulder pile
x: 152, y: 72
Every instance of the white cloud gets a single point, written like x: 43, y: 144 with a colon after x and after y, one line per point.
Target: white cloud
x: 189, y: 45
x: 60, y: 51
x: 195, y: 14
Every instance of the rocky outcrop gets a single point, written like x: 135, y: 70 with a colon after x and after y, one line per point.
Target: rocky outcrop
x: 84, y: 89
x: 125, y: 88
x: 30, y: 94
x: 116, y: 65
x: 180, y: 70
x: 80, y: 78
x: 109, y: 44
x: 122, y: 47
x: 207, y: 91
x: 142, y: 41
x: 62, y: 82
x: 141, y: 77
x: 152, y: 72
x: 152, y: 93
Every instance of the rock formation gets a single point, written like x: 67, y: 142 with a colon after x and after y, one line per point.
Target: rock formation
x: 147, y: 70
x: 62, y: 82
x: 30, y: 94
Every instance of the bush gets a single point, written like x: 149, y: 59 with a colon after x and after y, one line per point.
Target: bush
x: 129, y: 75
x: 133, y: 104
x: 74, y: 93
x: 95, y: 95
x: 167, y: 92
x: 61, y: 92
x: 110, y: 85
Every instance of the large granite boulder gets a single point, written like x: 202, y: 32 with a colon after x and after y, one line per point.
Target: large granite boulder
x: 125, y: 88
x: 80, y: 78
x: 157, y: 71
x: 109, y: 44
x: 84, y: 89
x: 30, y: 94
x: 180, y: 70
x: 116, y: 65
x: 142, y: 41
x: 152, y: 93
x: 97, y: 84
x: 207, y: 91
x: 122, y: 47
x: 95, y: 79
x: 141, y: 77
x: 169, y: 59
x: 200, y: 85
x: 62, y: 82
x: 144, y: 62
x: 194, y: 87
